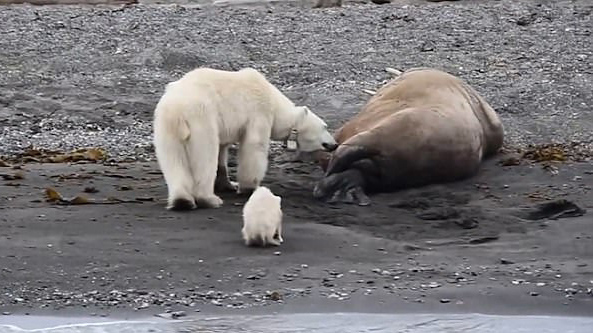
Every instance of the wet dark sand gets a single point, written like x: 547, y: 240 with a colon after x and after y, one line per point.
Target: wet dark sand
x: 431, y: 249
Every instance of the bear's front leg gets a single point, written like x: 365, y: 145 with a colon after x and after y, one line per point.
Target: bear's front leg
x: 253, y: 158
x: 223, y: 183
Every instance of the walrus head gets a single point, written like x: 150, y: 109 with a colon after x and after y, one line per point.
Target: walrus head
x: 344, y: 179
x: 343, y: 187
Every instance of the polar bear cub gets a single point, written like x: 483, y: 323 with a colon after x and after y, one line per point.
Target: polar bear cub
x: 262, y: 219
x: 204, y: 112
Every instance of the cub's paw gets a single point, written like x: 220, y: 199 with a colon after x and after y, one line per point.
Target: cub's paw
x: 212, y: 201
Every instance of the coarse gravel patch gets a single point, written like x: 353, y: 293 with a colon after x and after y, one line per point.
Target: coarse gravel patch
x: 77, y: 76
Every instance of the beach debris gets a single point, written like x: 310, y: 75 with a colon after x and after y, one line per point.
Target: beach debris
x: 274, y: 296
x: 15, y: 176
x: 52, y: 195
x: 125, y: 188
x: 482, y: 240
x: 90, y: 189
x: 62, y: 177
x: 506, y: 261
x: 172, y: 315
x: 32, y: 154
x: 558, y: 152
x: 4, y: 164
x: 445, y: 300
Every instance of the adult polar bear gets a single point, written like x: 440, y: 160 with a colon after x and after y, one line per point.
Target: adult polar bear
x: 200, y: 115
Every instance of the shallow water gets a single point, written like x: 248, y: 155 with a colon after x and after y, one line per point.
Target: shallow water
x: 297, y: 323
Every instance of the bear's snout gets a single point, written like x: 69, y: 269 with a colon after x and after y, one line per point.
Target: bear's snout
x: 329, y: 146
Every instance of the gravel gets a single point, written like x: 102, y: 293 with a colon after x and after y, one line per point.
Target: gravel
x: 90, y: 76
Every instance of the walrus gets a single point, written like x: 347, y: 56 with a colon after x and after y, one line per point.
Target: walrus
x: 425, y: 126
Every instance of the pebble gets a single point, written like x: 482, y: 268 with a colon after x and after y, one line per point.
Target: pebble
x: 534, y: 293
x: 445, y: 300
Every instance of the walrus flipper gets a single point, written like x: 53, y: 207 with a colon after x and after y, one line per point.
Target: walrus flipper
x: 343, y: 187
x: 346, y: 155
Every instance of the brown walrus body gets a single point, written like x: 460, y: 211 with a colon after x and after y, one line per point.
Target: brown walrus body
x: 425, y: 126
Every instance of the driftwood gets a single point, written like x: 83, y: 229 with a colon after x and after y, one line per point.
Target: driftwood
x: 68, y: 2
x: 392, y: 71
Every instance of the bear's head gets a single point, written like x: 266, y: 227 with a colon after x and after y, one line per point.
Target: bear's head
x: 312, y: 133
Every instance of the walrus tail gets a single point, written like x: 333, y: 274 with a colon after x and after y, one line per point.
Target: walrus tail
x: 345, y: 155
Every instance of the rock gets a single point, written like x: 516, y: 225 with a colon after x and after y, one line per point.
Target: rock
x: 445, y: 300
x: 506, y: 261
x: 178, y: 314
x: 275, y: 296
x: 327, y: 3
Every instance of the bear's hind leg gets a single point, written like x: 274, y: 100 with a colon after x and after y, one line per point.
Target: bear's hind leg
x: 203, y: 156
x: 173, y: 162
x: 223, y: 183
x: 253, y: 158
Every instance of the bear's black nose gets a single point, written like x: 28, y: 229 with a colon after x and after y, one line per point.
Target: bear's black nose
x: 330, y: 146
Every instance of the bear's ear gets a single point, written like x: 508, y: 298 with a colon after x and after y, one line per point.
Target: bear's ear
x: 304, y: 110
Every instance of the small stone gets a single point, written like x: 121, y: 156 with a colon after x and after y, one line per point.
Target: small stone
x: 275, y: 296
x: 445, y: 300
x: 571, y: 291
x: 6, y: 313
x: 178, y: 314
x: 164, y: 315
x: 534, y: 293
x: 143, y: 306
x: 506, y: 261
x: 277, y: 253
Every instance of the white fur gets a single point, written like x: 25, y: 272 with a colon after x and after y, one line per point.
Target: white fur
x: 262, y: 218
x: 200, y: 115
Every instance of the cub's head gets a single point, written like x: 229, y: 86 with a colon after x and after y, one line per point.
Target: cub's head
x: 312, y: 133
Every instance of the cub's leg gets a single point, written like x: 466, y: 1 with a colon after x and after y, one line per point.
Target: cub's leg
x: 203, y: 156
x: 253, y: 157
x: 278, y: 234
x: 223, y: 183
